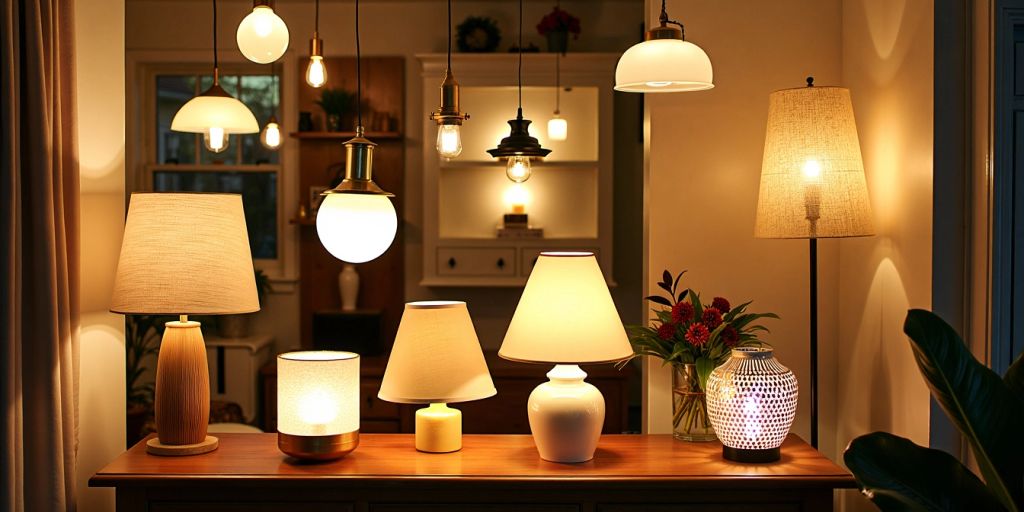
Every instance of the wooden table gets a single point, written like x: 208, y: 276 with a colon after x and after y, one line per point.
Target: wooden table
x: 492, y: 473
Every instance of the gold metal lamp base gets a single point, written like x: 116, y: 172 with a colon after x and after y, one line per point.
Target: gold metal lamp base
x: 318, y: 447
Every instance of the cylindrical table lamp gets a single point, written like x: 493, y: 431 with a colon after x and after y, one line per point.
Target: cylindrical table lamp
x: 751, y: 404
x: 184, y: 254
x: 566, y: 317
x: 317, y: 404
x: 436, y: 360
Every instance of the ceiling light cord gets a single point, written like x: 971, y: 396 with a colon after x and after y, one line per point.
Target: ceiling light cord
x: 316, y: 18
x: 359, y: 78
x: 216, y: 78
x: 664, y: 19
x: 449, y: 35
x: 520, y: 115
x: 558, y: 82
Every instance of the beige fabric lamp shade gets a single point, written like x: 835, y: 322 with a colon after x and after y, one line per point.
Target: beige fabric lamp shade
x: 566, y: 315
x: 812, y: 175
x: 185, y: 254
x: 436, y: 357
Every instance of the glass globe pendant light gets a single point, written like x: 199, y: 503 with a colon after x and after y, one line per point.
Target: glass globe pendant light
x: 270, y: 136
x: 262, y: 36
x: 316, y: 71
x: 356, y: 221
x: 448, y: 117
x: 215, y: 113
x: 519, y: 147
x: 558, y: 127
x: 664, y: 62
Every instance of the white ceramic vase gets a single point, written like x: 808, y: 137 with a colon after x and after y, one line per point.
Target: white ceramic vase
x: 348, y: 283
x: 566, y: 416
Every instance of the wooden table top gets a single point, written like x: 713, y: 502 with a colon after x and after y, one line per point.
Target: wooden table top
x: 490, y: 458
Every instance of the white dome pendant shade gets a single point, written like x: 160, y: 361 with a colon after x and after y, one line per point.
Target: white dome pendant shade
x: 214, y: 110
x: 262, y: 36
x: 664, y: 62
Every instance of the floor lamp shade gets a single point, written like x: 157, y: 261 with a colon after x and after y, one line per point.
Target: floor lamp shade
x: 812, y: 175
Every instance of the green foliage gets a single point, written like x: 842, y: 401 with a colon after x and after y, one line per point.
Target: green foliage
x: 337, y: 102
x: 142, y: 340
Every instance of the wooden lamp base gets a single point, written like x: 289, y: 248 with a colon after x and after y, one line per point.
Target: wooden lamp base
x: 182, y: 406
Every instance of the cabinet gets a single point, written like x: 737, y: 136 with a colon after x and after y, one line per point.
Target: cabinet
x: 569, y: 194
x: 234, y: 370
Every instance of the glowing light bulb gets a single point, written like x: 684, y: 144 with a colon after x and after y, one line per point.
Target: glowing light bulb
x: 812, y: 170
x: 215, y: 140
x: 316, y: 72
x: 518, y: 168
x: 558, y: 128
x: 270, y: 136
x: 262, y: 36
x: 356, y: 228
x: 449, y: 140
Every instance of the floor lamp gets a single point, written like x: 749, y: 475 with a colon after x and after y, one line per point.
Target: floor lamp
x: 812, y: 184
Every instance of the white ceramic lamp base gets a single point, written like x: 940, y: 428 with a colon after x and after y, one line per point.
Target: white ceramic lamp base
x: 566, y: 416
x: 182, y: 405
x: 438, y: 429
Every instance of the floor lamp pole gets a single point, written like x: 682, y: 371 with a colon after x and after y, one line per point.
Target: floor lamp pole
x: 814, y: 342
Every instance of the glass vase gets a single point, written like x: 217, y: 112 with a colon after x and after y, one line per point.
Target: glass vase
x: 558, y: 41
x: 690, y: 420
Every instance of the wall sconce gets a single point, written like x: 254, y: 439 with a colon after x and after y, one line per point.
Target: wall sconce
x: 317, y: 404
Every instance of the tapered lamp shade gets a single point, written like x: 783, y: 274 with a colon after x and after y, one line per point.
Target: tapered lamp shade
x: 207, y: 111
x: 664, y: 65
x: 812, y: 175
x: 185, y: 254
x: 436, y: 357
x: 566, y: 315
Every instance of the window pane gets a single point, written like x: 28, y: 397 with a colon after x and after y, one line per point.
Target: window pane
x: 259, y: 199
x: 230, y: 155
x: 260, y: 94
x: 172, y: 91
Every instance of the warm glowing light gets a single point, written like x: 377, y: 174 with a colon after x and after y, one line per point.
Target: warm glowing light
x: 262, y: 36
x: 517, y: 197
x: 558, y: 128
x: 659, y: 84
x: 812, y: 170
x: 215, y: 140
x: 752, y: 418
x: 449, y: 140
x: 317, y: 408
x: 664, y: 65
x: 270, y: 137
x: 317, y: 393
x: 356, y: 228
x: 316, y: 72
x: 518, y: 168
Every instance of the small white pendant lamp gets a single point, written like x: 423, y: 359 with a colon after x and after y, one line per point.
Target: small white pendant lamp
x: 664, y: 62
x: 558, y: 127
x: 262, y: 36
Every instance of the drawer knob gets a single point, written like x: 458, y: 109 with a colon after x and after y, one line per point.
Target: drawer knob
x: 501, y: 263
x: 451, y: 262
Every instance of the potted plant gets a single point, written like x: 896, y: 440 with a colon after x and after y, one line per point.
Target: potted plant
x: 897, y: 474
x: 237, y: 326
x: 338, y: 105
x: 556, y: 27
x: 694, y: 338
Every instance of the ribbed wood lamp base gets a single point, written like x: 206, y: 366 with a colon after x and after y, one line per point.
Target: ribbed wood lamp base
x: 182, y: 405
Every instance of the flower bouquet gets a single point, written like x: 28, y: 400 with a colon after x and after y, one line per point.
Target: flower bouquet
x: 695, y: 338
x: 556, y: 26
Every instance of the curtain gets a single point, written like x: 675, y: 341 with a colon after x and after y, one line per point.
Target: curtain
x: 39, y: 257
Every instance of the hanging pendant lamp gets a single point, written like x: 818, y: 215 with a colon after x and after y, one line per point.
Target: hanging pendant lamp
x: 316, y: 71
x: 215, y: 113
x: 448, y: 117
x: 270, y: 136
x: 262, y: 36
x: 558, y: 127
x: 356, y: 221
x: 664, y: 62
x: 519, y: 147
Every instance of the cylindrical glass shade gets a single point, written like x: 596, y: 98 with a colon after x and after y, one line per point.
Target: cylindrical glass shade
x: 262, y: 36
x: 318, y: 403
x: 558, y: 128
x: 663, y: 65
x: 356, y: 228
x: 752, y: 402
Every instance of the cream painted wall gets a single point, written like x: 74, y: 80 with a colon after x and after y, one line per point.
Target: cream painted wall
x: 99, y: 59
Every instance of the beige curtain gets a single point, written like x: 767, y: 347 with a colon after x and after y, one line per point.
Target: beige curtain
x: 39, y: 256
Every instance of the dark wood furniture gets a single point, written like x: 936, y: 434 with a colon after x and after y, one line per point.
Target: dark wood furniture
x: 630, y: 473
x: 502, y: 414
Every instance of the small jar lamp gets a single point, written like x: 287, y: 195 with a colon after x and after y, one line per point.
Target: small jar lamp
x: 436, y: 359
x: 317, y: 404
x: 751, y: 403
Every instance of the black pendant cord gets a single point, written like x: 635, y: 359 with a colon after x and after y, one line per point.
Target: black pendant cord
x: 216, y: 79
x: 520, y: 114
x: 359, y: 76
x: 449, y: 35
x: 814, y: 341
x: 316, y: 18
x: 558, y: 82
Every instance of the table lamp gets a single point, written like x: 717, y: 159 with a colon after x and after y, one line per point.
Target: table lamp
x: 812, y: 184
x: 436, y: 360
x: 184, y: 254
x: 318, y: 404
x: 566, y: 316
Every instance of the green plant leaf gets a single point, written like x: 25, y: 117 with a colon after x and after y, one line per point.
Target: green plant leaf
x: 1014, y: 377
x: 698, y: 309
x: 658, y: 299
x: 704, y: 369
x: 976, y: 399
x: 898, y: 475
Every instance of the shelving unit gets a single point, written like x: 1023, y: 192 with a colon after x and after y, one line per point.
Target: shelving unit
x: 570, y: 191
x: 343, y: 136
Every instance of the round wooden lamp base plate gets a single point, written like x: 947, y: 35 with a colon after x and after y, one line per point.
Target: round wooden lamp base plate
x: 155, y: 447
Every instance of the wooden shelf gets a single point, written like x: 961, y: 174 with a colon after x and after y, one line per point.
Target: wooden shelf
x: 346, y: 135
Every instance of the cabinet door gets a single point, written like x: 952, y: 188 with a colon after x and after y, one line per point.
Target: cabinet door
x: 474, y: 507
x: 165, y: 506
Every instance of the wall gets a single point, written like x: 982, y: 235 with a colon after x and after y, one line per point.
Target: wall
x: 99, y: 58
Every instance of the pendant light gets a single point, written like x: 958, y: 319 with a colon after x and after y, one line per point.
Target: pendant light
x: 316, y: 72
x: 262, y: 36
x: 558, y: 127
x: 519, y: 147
x: 664, y: 62
x: 356, y: 221
x: 270, y: 136
x: 448, y: 117
x: 215, y: 113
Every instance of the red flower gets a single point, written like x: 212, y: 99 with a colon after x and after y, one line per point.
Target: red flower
x: 729, y: 336
x: 559, y: 21
x: 721, y: 304
x: 682, y: 312
x: 697, y: 334
x: 666, y: 331
x: 711, y: 318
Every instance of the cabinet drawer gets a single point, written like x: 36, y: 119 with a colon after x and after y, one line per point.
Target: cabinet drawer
x: 476, y: 261
x: 530, y: 255
x: 474, y: 507
x: 371, y: 407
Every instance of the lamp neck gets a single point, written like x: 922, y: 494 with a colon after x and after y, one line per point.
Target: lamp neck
x: 566, y: 374
x: 359, y: 157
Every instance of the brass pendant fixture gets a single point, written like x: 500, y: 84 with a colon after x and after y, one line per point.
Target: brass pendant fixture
x: 316, y: 71
x: 448, y: 117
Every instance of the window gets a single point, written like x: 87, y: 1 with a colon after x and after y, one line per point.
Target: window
x: 180, y: 163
